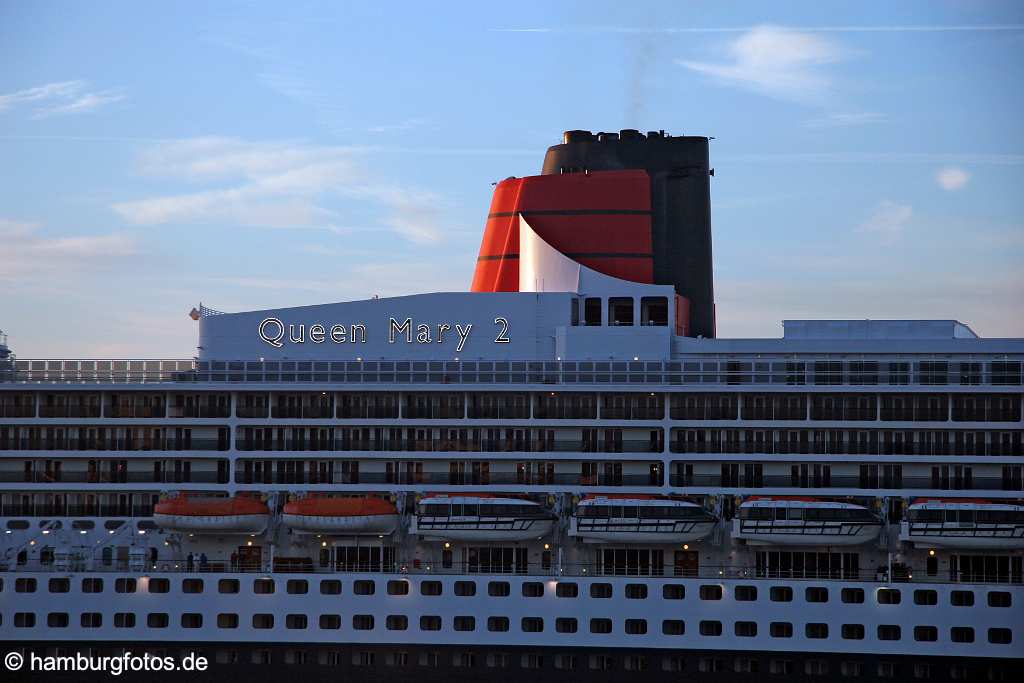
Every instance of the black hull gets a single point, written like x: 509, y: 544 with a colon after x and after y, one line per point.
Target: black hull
x: 276, y: 662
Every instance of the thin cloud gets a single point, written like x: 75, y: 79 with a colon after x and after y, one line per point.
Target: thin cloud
x: 981, y: 159
x: 63, y: 89
x: 777, y: 62
x: 401, y: 127
x: 275, y: 184
x: 86, y: 103
x: 897, y: 28
x: 63, y: 97
x: 840, y: 120
x: 27, y: 253
x: 952, y: 178
x: 888, y: 220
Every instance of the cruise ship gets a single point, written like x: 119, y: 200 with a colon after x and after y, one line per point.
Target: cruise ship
x: 562, y: 474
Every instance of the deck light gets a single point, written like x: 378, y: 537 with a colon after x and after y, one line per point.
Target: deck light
x: 547, y: 546
x: 46, y: 531
x: 686, y: 546
x: 447, y: 545
x: 249, y: 543
x: 931, y: 553
x: 323, y: 544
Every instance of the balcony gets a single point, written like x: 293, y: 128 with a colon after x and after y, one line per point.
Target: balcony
x: 119, y: 444
x: 79, y: 477
x: 454, y: 479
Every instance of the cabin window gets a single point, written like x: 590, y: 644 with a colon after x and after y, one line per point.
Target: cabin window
x: 600, y: 625
x: 398, y: 587
x: 431, y: 588
x: 157, y: 620
x: 498, y: 589
x: 124, y: 620
x: 57, y: 619
x: 465, y: 588
x: 926, y: 597
x: 227, y: 620
x: 327, y: 587
x: 816, y: 594
x: 497, y: 624
x: 362, y: 622
x: 591, y: 311
x: 853, y: 595
x: 532, y: 624
x: 430, y: 623
x: 746, y: 629
x: 192, y: 586
x: 889, y: 596
x: 330, y: 622
x: 654, y: 311
x: 636, y: 627
x: 263, y: 621
x: 24, y: 619
x: 961, y: 634
x: 999, y: 599
x: 620, y: 311
x: 24, y: 585
x: 263, y: 586
x: 636, y: 591
x: 999, y: 636
x: 781, y: 594
x: 745, y: 593
x: 533, y: 589
x: 191, y: 620
x: 711, y: 628
x: 673, y: 591
x: 60, y: 585
x: 673, y: 627
x: 853, y: 631
x: 889, y: 632
x: 600, y: 590
x: 710, y: 592
x: 465, y: 623
x: 781, y: 629
x: 926, y: 634
x: 565, y: 589
x: 962, y: 598
x: 566, y: 625
x: 297, y: 586
x: 816, y: 630
x: 159, y: 586
x: 364, y: 587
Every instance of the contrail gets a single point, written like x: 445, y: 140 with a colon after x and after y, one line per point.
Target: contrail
x: 904, y: 28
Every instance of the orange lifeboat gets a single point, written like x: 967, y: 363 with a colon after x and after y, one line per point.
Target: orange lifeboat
x: 210, y: 514
x: 350, y: 515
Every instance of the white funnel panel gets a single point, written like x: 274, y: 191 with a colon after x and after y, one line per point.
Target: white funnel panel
x: 542, y: 268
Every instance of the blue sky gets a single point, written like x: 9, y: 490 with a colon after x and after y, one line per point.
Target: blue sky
x: 869, y: 156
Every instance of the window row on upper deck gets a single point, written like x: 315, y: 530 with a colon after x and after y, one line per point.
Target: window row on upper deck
x: 710, y: 370
x: 864, y: 406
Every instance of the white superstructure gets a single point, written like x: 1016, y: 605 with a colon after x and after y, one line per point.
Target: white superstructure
x: 509, y: 483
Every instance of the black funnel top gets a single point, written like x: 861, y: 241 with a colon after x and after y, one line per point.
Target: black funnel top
x: 680, y: 204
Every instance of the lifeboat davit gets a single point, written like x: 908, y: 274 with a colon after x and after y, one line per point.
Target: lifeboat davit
x: 349, y: 516
x: 624, y: 518
x: 964, y: 523
x: 481, y: 517
x: 209, y: 514
x: 787, y: 520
